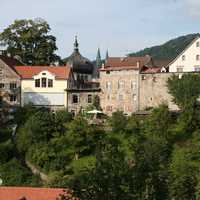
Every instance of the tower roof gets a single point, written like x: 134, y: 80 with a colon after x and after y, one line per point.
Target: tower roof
x: 79, y: 63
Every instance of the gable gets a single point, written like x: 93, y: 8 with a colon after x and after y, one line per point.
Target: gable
x: 7, y: 72
x: 187, y: 58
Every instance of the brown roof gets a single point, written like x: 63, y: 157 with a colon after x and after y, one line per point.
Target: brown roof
x: 10, y: 61
x: 29, y: 193
x: 27, y: 72
x: 152, y: 70
x: 121, y: 63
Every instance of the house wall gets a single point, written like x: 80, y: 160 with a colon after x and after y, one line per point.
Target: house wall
x: 83, y: 103
x: 190, y: 62
x: 59, y: 87
x: 110, y: 97
x: 7, y: 76
x: 153, y: 91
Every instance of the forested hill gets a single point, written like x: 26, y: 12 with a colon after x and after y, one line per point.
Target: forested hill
x: 168, y: 50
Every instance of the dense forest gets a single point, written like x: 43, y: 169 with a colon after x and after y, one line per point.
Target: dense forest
x: 168, y: 50
x: 154, y: 157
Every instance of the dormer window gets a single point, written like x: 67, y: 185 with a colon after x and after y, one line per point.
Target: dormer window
x: 50, y: 83
x: 197, y: 57
x: 37, y: 82
x: 183, y: 58
x: 44, y: 82
x: 43, y: 73
x: 197, y: 44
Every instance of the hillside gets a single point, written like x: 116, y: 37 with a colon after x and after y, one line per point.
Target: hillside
x: 168, y: 50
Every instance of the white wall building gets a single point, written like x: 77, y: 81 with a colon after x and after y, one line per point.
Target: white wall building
x: 188, y: 60
x: 44, y: 86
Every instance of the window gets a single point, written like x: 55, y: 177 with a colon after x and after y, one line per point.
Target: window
x: 109, y: 108
x: 121, y: 84
x: 183, y: 58
x: 37, y: 83
x: 179, y: 69
x: 143, y: 77
x: 109, y: 97
x: 197, y: 44
x: 2, y: 85
x: 1, y: 72
x: 73, y: 113
x: 74, y: 98
x: 107, y: 72
x: 1, y: 100
x: 43, y: 73
x: 134, y: 97
x: 50, y: 83
x: 121, y: 97
x: 44, y: 82
x: 197, y: 57
x: 133, y: 85
x: 89, y: 98
x: 13, y: 86
x: 197, y: 68
x: 13, y: 98
x: 108, y: 85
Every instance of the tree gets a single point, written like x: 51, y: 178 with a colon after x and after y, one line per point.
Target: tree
x: 185, y: 90
x: 31, y: 41
x: 118, y: 122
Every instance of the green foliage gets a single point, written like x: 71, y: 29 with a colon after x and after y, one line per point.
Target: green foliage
x: 30, y: 39
x: 169, y: 50
x: 118, y: 122
x: 14, y: 174
x: 185, y: 90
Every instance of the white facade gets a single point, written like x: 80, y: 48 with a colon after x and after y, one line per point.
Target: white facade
x: 188, y: 60
x: 53, y: 95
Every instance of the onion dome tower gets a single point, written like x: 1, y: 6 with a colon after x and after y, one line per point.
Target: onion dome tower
x: 78, y: 63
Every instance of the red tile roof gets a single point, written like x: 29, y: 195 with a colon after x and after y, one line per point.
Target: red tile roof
x: 121, y: 63
x: 27, y: 72
x: 29, y: 193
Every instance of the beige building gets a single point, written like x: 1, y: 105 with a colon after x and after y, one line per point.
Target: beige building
x: 134, y: 84
x: 119, y: 82
x: 44, y: 86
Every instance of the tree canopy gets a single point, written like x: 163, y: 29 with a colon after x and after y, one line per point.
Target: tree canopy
x: 30, y: 40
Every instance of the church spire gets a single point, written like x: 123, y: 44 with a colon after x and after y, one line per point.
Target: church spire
x: 76, y: 44
x: 107, y: 56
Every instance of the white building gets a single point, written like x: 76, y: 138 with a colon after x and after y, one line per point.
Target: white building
x: 188, y: 60
x: 44, y: 86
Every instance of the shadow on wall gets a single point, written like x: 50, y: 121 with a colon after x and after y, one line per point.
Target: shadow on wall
x: 35, y: 98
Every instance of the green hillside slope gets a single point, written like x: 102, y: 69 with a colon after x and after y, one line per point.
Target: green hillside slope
x: 168, y: 50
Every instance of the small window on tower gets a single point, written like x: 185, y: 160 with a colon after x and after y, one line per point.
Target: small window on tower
x: 74, y: 98
x: 89, y: 98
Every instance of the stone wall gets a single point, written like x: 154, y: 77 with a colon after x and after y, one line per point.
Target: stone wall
x: 153, y: 91
x: 114, y: 97
x: 7, y: 76
x: 82, y: 103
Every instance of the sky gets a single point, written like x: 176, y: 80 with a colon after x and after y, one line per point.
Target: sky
x: 121, y: 26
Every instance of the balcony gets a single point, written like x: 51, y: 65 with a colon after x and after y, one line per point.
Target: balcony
x: 86, y: 86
